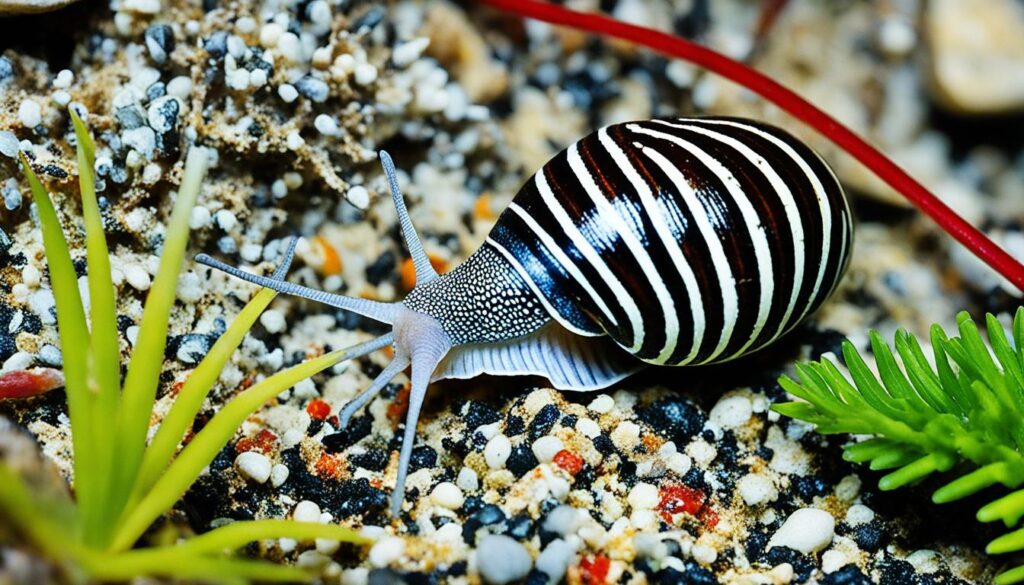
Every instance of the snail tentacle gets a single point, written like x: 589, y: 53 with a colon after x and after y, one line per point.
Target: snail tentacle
x: 420, y: 261
x: 397, y: 365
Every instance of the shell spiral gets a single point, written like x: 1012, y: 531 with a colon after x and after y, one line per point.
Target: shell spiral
x: 687, y: 241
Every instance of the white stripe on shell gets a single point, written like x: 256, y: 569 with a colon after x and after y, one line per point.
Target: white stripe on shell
x: 819, y: 191
x: 726, y: 279
x: 788, y: 203
x: 562, y: 259
x: 762, y: 253
x: 592, y: 256
x: 657, y: 218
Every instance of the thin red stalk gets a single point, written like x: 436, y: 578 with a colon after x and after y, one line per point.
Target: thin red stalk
x: 888, y: 171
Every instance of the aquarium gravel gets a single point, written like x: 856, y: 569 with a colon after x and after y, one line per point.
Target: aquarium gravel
x: 672, y: 476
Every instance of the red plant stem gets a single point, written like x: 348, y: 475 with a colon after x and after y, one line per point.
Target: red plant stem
x: 888, y: 171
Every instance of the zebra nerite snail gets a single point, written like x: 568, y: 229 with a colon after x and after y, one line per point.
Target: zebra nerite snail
x: 669, y: 241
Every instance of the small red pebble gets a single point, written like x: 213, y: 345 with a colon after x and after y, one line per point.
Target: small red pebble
x: 334, y: 421
x: 679, y: 498
x: 328, y: 466
x: 318, y: 409
x: 26, y: 383
x: 569, y: 461
x: 399, y: 406
x: 245, y: 444
x: 594, y: 570
x: 709, y: 517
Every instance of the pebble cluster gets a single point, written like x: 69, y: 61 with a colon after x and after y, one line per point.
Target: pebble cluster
x: 673, y: 477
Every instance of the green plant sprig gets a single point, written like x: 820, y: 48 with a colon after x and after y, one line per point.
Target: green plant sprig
x: 121, y: 484
x: 965, y: 409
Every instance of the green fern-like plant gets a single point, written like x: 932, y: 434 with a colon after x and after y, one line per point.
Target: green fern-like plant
x: 122, y: 484
x: 964, y: 411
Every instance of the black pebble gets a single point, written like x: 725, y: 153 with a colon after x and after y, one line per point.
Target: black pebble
x: 357, y: 428
x: 157, y: 90
x: 604, y: 444
x: 869, y: 537
x: 803, y: 565
x: 6, y: 69
x: 848, y: 575
x: 807, y: 487
x: 514, y: 425
x: 477, y: 413
x: 372, y: 459
x: 422, y: 457
x: 537, y: 577
x: 674, y: 418
x: 519, y: 527
x: 543, y: 421
x: 313, y: 88
x: 217, y: 45
x: 521, y: 460
x: 383, y: 268
x: 7, y: 346
x: 569, y: 421
x: 472, y: 504
x: 489, y: 514
x: 130, y: 117
x: 369, y: 19
x: 899, y: 572
x: 160, y: 42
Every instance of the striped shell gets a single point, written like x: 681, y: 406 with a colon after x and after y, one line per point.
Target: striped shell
x: 687, y: 241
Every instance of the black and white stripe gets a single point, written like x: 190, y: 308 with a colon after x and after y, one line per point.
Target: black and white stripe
x: 687, y: 241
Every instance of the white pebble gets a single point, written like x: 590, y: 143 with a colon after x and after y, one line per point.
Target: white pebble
x: 255, y: 466
x: 501, y: 559
x: 273, y: 321
x: 546, y: 447
x: 306, y: 511
x: 704, y: 554
x: 732, y: 411
x: 626, y: 435
x: 199, y: 217
x: 756, y: 489
x: 30, y: 275
x: 409, y: 51
x: 278, y: 475
x: 225, y: 220
x: 294, y: 140
x: 251, y: 252
x: 137, y: 277
x: 326, y: 125
x: 20, y: 360
x: 807, y: 530
x: 497, y: 451
x: 238, y: 80
x: 358, y: 196
x: 8, y: 144
x: 555, y: 559
x: 289, y: 47
x: 563, y: 520
x: 468, y: 480
x: 447, y: 495
x: 257, y: 78
x: 30, y: 114
x: 64, y: 79
x: 643, y: 496
x: 832, y: 560
x: 588, y: 428
x: 602, y: 404
x: 859, y: 514
x: 386, y: 551
x: 270, y: 33
x: 365, y: 74
x: 287, y: 92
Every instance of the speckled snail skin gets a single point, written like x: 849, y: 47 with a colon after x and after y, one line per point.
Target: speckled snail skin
x: 670, y: 241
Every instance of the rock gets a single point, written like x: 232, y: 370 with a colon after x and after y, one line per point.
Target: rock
x: 554, y: 560
x: 807, y: 530
x: 31, y: 6
x: 253, y: 465
x: 502, y: 560
x: 976, y: 51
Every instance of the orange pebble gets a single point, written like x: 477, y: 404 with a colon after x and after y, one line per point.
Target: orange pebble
x: 408, y: 271
x: 332, y: 262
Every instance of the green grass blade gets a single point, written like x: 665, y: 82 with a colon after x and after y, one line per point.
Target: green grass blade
x: 192, y: 394
x: 208, y: 442
x: 181, y: 565
x: 972, y: 483
x: 1008, y: 508
x: 1007, y: 543
x: 41, y: 521
x: 147, y: 358
x: 917, y: 470
x: 1015, y: 575
x: 1018, y: 334
x: 104, y: 347
x: 237, y: 534
x: 74, y: 334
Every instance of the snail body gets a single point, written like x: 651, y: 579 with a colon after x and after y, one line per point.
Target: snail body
x: 669, y: 241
